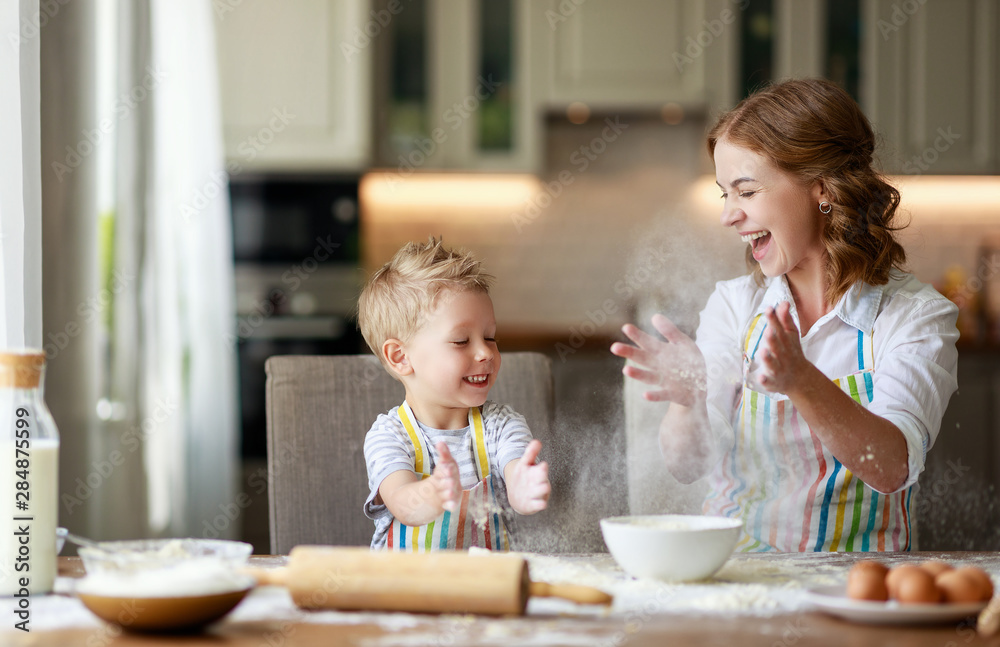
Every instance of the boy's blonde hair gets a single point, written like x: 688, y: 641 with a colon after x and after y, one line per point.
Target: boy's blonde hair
x: 397, y: 297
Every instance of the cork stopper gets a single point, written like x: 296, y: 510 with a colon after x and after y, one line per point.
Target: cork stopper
x: 21, y: 370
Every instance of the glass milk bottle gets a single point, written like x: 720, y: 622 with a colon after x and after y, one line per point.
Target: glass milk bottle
x: 29, y: 450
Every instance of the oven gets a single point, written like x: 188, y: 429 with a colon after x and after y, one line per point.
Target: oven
x: 295, y: 246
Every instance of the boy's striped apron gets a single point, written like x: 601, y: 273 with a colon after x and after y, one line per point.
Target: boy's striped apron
x: 477, y: 520
x: 788, y: 489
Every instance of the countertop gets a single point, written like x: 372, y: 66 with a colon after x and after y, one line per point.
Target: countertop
x: 753, y: 600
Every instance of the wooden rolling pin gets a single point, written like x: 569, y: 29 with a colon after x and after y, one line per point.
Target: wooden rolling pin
x: 328, y: 577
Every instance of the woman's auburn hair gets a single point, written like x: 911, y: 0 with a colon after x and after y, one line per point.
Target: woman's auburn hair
x: 815, y: 131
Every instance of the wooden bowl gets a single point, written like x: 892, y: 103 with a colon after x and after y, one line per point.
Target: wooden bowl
x: 175, y: 614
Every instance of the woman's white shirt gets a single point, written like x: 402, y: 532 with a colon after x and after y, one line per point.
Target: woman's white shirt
x: 913, y: 335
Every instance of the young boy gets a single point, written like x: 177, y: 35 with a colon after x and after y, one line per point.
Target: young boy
x: 428, y: 316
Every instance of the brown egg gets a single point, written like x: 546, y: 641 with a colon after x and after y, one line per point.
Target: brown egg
x: 917, y: 587
x: 936, y: 567
x: 871, y: 565
x: 866, y: 584
x: 896, y: 575
x: 959, y: 586
x: 980, y: 576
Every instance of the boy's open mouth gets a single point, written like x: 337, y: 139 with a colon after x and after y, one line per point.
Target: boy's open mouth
x: 476, y: 379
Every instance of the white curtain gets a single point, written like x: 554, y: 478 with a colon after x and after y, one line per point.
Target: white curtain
x: 20, y: 177
x: 144, y: 393
x: 174, y: 348
x: 192, y: 294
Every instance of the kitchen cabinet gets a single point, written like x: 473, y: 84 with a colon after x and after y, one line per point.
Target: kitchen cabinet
x: 452, y: 88
x: 634, y: 54
x: 798, y: 38
x: 458, y: 89
x: 611, y: 55
x: 931, y: 82
x: 295, y: 83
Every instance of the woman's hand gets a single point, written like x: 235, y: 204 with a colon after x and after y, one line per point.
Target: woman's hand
x: 873, y: 448
x: 675, y: 367
x: 783, y: 365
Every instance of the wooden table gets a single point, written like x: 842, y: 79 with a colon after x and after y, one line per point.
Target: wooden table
x: 636, y: 627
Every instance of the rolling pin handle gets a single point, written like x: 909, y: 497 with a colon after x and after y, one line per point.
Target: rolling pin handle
x: 988, y: 622
x: 571, y: 592
x: 268, y: 576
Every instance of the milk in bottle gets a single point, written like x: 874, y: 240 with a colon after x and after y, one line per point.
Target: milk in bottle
x: 29, y: 450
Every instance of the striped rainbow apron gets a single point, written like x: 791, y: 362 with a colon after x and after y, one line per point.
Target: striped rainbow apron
x: 788, y: 489
x: 477, y: 521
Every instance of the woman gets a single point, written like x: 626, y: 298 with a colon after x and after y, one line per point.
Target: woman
x: 817, y: 383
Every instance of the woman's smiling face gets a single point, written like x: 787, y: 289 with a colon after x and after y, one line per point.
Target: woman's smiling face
x: 771, y: 211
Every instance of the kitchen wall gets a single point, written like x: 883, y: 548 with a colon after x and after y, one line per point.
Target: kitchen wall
x: 953, y: 241
x: 631, y: 209
x: 592, y: 232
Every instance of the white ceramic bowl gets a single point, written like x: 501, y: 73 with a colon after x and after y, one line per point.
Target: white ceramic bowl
x: 671, y: 547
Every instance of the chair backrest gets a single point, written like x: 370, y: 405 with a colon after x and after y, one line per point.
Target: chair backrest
x: 318, y: 411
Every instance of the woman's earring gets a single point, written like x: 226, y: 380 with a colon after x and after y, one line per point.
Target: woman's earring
x: 828, y: 209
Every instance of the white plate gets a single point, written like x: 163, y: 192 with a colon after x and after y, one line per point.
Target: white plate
x: 833, y: 600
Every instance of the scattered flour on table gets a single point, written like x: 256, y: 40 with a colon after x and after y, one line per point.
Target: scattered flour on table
x: 744, y: 586
x: 779, y: 573
x: 753, y: 598
x: 274, y: 603
x: 761, y: 587
x: 52, y: 612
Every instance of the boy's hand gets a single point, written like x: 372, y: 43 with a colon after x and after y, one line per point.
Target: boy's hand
x: 415, y: 501
x: 445, y: 479
x: 528, y: 486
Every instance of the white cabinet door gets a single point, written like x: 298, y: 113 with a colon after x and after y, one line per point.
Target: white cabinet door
x: 931, y: 84
x: 295, y: 83
x: 456, y: 86
x: 635, y: 54
x: 455, y: 92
